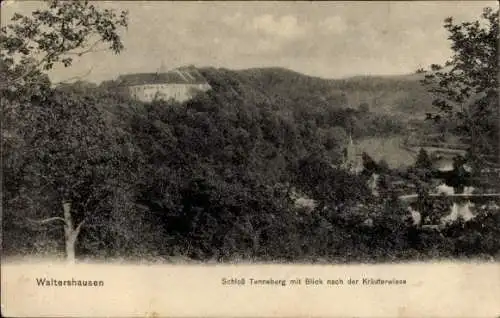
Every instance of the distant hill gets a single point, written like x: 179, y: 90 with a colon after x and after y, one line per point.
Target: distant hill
x: 401, y: 95
x: 398, y: 95
x: 281, y: 90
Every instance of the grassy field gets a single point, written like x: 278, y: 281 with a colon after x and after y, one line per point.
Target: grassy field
x: 387, y: 149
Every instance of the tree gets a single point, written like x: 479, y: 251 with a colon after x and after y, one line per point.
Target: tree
x: 71, y: 159
x: 328, y: 185
x: 364, y: 108
x: 33, y: 44
x: 369, y: 165
x: 59, y: 146
x: 334, y: 140
x: 466, y: 88
x: 423, y: 160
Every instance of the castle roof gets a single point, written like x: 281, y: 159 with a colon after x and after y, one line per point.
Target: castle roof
x: 188, y: 75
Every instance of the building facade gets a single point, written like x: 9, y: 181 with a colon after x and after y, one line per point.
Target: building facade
x: 179, y: 84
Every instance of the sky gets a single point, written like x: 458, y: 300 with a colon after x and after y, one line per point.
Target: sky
x: 326, y: 39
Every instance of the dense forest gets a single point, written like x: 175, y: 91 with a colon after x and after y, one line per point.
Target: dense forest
x: 209, y: 179
x: 195, y: 174
x: 400, y: 96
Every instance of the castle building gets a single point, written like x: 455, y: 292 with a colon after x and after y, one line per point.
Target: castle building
x: 180, y: 84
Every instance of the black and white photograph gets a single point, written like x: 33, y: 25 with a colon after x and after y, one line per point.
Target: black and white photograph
x: 219, y: 133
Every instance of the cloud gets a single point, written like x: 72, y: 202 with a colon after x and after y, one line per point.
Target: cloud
x: 285, y: 27
x: 349, y: 38
x: 232, y: 20
x: 266, y: 46
x: 333, y: 24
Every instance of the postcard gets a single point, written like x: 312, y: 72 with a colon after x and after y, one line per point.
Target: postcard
x: 250, y: 159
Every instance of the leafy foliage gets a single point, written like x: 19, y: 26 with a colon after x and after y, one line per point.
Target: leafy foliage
x: 65, y: 29
x: 466, y: 89
x: 423, y: 160
x: 59, y: 145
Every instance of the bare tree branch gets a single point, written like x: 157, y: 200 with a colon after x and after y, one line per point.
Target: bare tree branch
x: 78, y: 77
x: 89, y: 50
x: 78, y: 227
x: 47, y: 57
x: 55, y: 218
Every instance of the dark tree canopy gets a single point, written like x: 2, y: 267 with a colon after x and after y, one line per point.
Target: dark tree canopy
x: 423, y: 160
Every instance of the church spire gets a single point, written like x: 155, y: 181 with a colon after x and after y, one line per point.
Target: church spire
x: 350, y: 154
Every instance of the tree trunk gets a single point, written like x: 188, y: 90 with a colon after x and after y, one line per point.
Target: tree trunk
x: 70, y: 233
x: 70, y: 250
x: 256, y: 242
